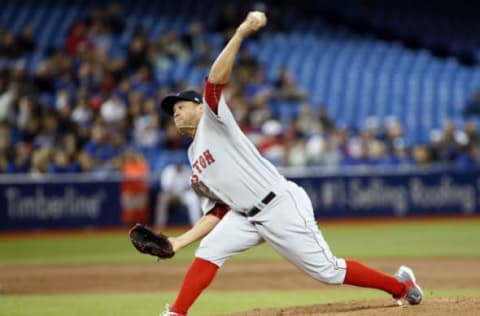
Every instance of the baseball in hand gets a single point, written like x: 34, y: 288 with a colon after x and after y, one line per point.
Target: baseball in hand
x: 255, y: 20
x: 259, y: 17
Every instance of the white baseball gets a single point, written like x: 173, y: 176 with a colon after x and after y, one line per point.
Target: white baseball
x: 257, y: 15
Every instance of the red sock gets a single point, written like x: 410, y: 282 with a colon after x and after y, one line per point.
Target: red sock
x: 360, y: 275
x: 198, y: 277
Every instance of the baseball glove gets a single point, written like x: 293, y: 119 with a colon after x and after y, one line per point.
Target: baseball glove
x: 147, y: 241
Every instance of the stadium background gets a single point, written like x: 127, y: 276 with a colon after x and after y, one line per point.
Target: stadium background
x: 371, y: 105
x: 348, y: 90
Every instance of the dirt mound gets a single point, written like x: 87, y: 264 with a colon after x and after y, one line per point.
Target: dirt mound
x: 252, y: 277
x: 437, y: 306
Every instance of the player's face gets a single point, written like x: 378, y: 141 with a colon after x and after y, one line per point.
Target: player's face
x: 186, y: 115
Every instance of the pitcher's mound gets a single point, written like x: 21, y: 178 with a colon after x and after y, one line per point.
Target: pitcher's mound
x: 437, y: 306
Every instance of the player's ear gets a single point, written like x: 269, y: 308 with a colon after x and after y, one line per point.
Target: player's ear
x: 201, y: 107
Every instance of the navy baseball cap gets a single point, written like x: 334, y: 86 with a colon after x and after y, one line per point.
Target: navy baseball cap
x: 187, y: 95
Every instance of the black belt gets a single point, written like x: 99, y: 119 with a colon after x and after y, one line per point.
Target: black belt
x: 254, y: 210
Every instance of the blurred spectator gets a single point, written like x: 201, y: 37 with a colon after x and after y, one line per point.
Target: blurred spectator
x: 7, y: 98
x: 143, y: 82
x: 44, y: 77
x: 295, y: 153
x: 85, y: 77
x: 5, y: 146
x: 48, y: 131
x: 176, y: 193
x: 114, y: 17
x: 134, y: 188
x: 286, y: 88
x: 446, y: 143
x: 119, y: 144
x: 82, y: 113
x: 61, y: 163
x: 65, y: 80
x: 422, y: 155
x: 62, y: 99
x: 20, y: 162
x: 113, y: 111
x: 400, y: 155
x: 377, y: 154
x: 3, y: 164
x: 26, y: 40
x: 86, y: 162
x: 31, y: 129
x: 393, y: 132
x: 147, y: 133
x: 173, y: 139
x: 466, y: 157
x: 356, y: 150
x: 161, y: 62
x: 249, y: 73
x: 101, y: 37
x: 204, y: 57
x: 307, y: 122
x: 60, y: 63
x: 99, y: 149
x: 41, y: 160
x: 256, y: 90
x: 9, y: 47
x: 137, y: 54
x: 323, y: 151
x: 194, y: 39
x: 472, y: 107
x: 471, y: 133
x: 371, y: 128
x: 174, y: 47
x: 77, y: 41
x: 135, y: 108
x: 65, y: 124
x: 326, y: 122
x: 272, y: 145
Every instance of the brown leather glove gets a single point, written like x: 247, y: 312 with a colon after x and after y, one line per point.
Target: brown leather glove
x: 145, y: 240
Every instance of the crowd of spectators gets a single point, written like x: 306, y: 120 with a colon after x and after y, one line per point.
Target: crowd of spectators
x: 89, y: 101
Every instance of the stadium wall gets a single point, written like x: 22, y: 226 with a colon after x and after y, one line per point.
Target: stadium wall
x: 64, y: 201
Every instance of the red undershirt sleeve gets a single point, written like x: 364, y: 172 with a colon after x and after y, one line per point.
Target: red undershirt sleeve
x: 213, y: 93
x: 219, y: 210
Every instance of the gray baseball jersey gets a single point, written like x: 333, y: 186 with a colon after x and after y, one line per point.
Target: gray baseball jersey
x: 227, y: 167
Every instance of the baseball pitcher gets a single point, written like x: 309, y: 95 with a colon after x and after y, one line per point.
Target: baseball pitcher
x: 246, y: 201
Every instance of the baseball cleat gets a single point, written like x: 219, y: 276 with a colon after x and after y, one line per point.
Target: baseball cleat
x: 413, y: 293
x: 169, y: 313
